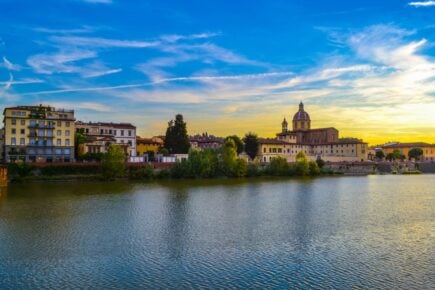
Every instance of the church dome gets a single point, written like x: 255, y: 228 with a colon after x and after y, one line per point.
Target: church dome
x: 301, y: 115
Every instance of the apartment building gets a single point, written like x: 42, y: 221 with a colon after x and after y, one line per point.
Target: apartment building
x: 100, y: 135
x: 38, y: 134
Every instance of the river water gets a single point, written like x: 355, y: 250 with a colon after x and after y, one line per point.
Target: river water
x: 343, y: 232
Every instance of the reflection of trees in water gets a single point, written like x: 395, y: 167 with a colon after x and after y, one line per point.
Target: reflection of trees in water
x: 177, y: 230
x: 3, y: 193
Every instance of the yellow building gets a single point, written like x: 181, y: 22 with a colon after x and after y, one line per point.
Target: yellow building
x: 38, y: 134
x: 404, y: 148
x: 320, y: 143
x: 146, y: 145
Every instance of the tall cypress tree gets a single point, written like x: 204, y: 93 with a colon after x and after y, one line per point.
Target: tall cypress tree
x: 176, y: 140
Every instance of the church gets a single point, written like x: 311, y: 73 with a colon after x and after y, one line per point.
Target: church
x: 319, y: 143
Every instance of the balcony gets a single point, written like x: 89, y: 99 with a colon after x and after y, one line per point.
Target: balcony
x: 35, y: 135
x: 41, y: 126
x: 40, y: 145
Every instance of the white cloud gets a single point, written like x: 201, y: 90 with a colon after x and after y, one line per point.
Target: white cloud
x: 59, y: 62
x: 422, y: 3
x: 92, y: 106
x: 98, y: 1
x: 102, y: 42
x: 9, y: 65
x: 23, y: 82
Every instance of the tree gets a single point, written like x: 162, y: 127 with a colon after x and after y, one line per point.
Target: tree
x: 241, y: 168
x: 176, y: 139
x: 415, y: 153
x: 79, y: 139
x: 229, y: 156
x: 320, y: 162
x: 237, y: 141
x: 278, y: 166
x: 113, y: 163
x: 380, y: 154
x: 395, y: 155
x: 251, y: 144
x: 302, y: 167
x: 313, y: 168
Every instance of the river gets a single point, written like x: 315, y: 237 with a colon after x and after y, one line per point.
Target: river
x: 335, y: 232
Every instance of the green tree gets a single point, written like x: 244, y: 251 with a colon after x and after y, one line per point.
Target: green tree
x: 313, y: 168
x: 302, y: 166
x: 278, y: 166
x: 320, y: 163
x: 79, y: 139
x: 240, y: 168
x: 176, y: 139
x: 237, y: 141
x: 380, y: 155
x: 415, y: 153
x: 113, y: 163
x: 251, y: 144
x: 229, y: 156
x: 390, y: 157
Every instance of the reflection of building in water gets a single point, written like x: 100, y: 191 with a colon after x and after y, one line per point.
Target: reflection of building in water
x: 321, y: 143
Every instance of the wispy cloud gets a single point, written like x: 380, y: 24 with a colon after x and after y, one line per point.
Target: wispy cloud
x: 59, y: 62
x: 102, y: 42
x: 83, y: 29
x: 9, y: 65
x: 422, y: 3
x: 91, y: 106
x: 98, y: 1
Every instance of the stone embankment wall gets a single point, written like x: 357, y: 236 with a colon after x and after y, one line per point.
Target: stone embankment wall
x: 361, y: 168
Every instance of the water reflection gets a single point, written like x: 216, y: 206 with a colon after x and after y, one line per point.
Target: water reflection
x: 353, y: 232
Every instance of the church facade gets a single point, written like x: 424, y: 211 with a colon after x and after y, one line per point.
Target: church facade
x: 321, y: 143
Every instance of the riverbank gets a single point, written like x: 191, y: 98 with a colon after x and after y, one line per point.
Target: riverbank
x: 92, y: 172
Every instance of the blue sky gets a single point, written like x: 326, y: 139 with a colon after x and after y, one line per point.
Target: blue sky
x: 228, y: 66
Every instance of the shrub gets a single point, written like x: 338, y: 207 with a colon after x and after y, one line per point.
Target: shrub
x: 278, y: 166
x: 240, y: 168
x: 141, y: 172
x: 113, y: 163
x: 313, y: 168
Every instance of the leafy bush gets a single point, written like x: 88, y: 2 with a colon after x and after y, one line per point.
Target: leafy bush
x: 141, y: 172
x: 113, y: 163
x: 313, y: 168
x: 278, y: 166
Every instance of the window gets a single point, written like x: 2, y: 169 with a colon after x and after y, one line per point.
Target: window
x: 22, y: 141
x: 101, y: 131
x: 23, y: 131
x: 264, y: 150
x: 13, y: 131
x: 32, y: 123
x: 58, y: 142
x: 58, y: 151
x: 122, y: 132
x: 59, y: 123
x: 13, y: 141
x: 67, y: 124
x: 129, y: 133
x: 66, y: 132
x: 14, y: 121
x: 59, y: 133
x: 23, y: 122
x: 67, y: 142
x: 67, y: 151
x: 114, y: 132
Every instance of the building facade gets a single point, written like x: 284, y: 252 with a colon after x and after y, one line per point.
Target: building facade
x: 404, y: 148
x: 322, y: 143
x: 146, y: 145
x: 38, y: 134
x: 205, y: 141
x: 101, y: 135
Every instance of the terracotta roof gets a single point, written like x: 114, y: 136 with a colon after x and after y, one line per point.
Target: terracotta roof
x: 412, y: 144
x: 107, y: 124
x: 273, y: 141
